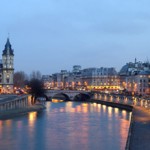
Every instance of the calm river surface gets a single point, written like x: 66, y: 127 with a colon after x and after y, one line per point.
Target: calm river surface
x: 67, y: 126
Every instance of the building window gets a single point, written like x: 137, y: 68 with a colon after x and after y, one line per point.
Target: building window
x: 7, y: 80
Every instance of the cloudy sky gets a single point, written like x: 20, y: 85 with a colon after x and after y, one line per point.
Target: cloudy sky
x: 50, y: 35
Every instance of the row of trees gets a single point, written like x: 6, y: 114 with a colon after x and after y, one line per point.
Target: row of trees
x: 31, y: 83
x: 21, y: 79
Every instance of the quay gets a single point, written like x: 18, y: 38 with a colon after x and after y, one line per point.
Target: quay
x: 139, y: 131
x: 11, y: 102
x: 14, y: 105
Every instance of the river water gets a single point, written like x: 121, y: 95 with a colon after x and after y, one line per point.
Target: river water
x: 67, y: 126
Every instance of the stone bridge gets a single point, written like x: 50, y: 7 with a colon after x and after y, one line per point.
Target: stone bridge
x: 86, y: 95
x: 67, y: 94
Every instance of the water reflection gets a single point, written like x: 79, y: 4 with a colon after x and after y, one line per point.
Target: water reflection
x: 57, y: 100
x: 124, y: 114
x: 67, y: 125
x: 32, y: 118
x: 8, y: 123
x: 116, y: 111
x: 104, y: 108
x: 110, y: 112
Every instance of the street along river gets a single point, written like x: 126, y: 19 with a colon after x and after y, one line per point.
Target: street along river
x: 67, y: 126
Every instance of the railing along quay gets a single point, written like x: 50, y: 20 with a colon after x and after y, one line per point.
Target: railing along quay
x: 122, y: 99
x: 12, y: 103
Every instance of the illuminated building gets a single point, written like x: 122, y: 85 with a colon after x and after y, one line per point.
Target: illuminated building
x: 135, y: 78
x: 139, y: 84
x: 102, y: 79
x: 48, y: 81
x: 7, y: 69
x: 64, y: 80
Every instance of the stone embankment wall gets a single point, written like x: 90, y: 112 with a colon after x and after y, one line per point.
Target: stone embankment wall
x: 17, y: 106
x: 112, y: 104
x: 14, y: 103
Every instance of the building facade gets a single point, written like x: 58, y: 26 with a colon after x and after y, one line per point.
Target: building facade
x: 102, y: 79
x: 135, y: 78
x: 7, y: 69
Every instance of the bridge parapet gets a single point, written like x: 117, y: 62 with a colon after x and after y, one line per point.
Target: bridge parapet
x: 122, y: 99
x: 71, y: 94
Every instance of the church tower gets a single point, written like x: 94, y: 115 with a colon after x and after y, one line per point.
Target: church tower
x: 8, y: 68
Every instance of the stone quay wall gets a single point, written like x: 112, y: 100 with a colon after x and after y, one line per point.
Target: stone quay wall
x: 14, y: 103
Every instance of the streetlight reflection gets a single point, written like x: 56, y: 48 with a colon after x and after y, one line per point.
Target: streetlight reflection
x: 32, y: 118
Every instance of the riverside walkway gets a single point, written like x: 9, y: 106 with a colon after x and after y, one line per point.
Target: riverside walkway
x: 139, y: 132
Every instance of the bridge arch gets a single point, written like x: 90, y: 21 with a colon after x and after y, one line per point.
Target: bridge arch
x: 82, y: 97
x: 62, y: 96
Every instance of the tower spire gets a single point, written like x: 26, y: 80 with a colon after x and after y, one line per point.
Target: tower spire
x: 8, y: 34
x: 135, y: 60
x: 8, y: 49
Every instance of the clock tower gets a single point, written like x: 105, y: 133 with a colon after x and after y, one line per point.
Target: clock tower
x: 8, y: 68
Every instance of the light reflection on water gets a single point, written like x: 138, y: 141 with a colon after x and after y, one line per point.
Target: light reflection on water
x: 65, y: 126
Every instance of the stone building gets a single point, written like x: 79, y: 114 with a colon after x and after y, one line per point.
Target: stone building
x: 103, y: 79
x: 7, y: 69
x: 135, y: 78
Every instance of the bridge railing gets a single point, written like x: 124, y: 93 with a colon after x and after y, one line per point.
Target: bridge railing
x: 128, y: 100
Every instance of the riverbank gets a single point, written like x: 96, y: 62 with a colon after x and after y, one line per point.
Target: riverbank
x: 139, y: 133
x: 17, y: 112
x: 112, y: 104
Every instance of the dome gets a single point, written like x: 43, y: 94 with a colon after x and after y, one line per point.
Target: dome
x: 124, y: 70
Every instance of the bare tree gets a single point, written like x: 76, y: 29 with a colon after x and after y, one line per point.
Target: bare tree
x: 35, y: 75
x: 19, y: 79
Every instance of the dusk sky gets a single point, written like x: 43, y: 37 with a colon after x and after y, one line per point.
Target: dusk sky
x: 51, y: 35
